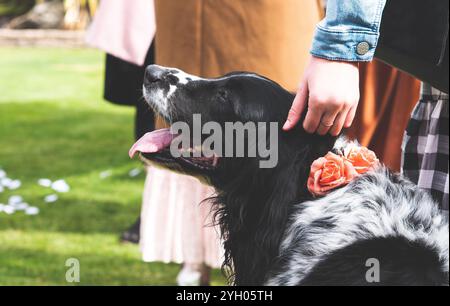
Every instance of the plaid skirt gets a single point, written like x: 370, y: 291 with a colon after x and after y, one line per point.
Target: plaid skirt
x: 425, y: 145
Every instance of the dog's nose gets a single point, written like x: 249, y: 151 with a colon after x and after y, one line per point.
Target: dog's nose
x: 154, y: 73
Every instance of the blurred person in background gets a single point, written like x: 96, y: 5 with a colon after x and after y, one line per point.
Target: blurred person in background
x: 125, y: 32
x: 388, y: 97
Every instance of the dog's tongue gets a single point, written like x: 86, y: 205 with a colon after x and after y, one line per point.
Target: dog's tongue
x: 152, y: 142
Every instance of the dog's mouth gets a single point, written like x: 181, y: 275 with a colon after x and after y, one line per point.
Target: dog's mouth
x: 157, y: 146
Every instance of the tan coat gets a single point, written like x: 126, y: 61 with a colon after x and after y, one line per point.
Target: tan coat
x: 212, y: 37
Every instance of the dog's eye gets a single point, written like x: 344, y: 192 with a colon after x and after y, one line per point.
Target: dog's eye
x: 173, y: 80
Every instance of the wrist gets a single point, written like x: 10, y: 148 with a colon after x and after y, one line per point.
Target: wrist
x: 319, y: 59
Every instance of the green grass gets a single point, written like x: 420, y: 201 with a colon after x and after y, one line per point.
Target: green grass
x: 54, y: 124
x: 14, y: 7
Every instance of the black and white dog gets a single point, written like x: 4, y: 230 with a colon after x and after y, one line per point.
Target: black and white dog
x: 274, y: 231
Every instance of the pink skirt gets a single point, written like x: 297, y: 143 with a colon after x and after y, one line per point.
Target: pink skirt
x: 176, y: 226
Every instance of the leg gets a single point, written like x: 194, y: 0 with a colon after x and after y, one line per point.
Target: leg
x: 425, y: 147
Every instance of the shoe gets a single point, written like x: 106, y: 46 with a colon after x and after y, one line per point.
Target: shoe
x: 189, y: 277
x: 132, y: 235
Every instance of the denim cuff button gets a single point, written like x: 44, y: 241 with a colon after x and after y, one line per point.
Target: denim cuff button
x: 362, y: 48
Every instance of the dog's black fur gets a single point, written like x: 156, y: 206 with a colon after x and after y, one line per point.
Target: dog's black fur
x: 254, y: 206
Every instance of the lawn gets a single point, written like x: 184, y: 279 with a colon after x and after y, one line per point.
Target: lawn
x: 12, y: 7
x: 54, y: 124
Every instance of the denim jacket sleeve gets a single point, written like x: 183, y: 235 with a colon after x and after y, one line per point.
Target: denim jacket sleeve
x: 349, y: 31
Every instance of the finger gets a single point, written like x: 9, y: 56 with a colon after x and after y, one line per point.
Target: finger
x: 297, y: 107
x: 326, y: 122
x: 350, y: 116
x: 339, y: 122
x: 312, y: 119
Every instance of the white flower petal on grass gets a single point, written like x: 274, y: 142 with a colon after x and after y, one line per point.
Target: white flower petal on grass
x: 134, y: 172
x: 14, y: 184
x: 2, y: 173
x: 51, y: 198
x: 105, y: 174
x: 9, y: 210
x: 5, y: 181
x: 44, y: 182
x: 60, y: 186
x: 21, y: 206
x: 1, y: 188
x: 9, y: 183
x: 1, y: 207
x: 15, y: 199
x: 31, y: 211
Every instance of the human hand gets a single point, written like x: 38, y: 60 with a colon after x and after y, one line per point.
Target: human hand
x: 330, y: 90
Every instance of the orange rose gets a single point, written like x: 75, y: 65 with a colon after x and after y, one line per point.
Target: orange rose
x: 361, y: 158
x: 328, y: 173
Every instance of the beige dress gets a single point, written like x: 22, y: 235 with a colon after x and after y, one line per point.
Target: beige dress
x: 176, y: 225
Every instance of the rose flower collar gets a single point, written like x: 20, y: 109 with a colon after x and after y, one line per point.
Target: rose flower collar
x: 336, y: 170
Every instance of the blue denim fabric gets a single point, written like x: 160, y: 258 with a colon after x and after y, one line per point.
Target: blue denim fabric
x: 348, y: 23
